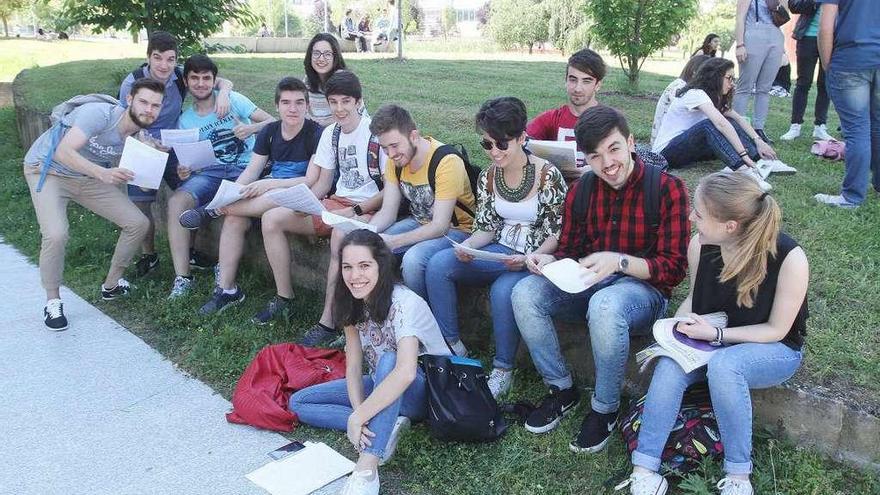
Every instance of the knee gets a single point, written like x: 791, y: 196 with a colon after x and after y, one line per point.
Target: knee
x: 605, y: 311
x: 138, y: 225
x: 722, y: 368
x: 501, y: 291
x: 440, y: 266
x: 236, y: 223
x: 522, y: 294
x: 271, y: 221
x: 413, y: 262
x: 179, y: 201
x: 56, y: 237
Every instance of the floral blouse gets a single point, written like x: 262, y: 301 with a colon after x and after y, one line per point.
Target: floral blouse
x: 551, y: 197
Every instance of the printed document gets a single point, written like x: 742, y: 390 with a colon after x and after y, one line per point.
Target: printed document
x: 147, y: 163
x: 170, y: 137
x: 229, y: 192
x: 563, y: 154
x: 303, y: 472
x: 297, y: 198
x: 478, y: 254
x: 569, y: 275
x: 345, y: 224
x: 195, y: 156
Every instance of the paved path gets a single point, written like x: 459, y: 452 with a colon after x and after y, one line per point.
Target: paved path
x: 94, y: 410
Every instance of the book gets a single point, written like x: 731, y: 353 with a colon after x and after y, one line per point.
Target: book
x: 689, y: 353
x: 302, y: 472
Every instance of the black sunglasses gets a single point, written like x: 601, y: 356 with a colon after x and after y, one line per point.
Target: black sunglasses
x: 501, y: 145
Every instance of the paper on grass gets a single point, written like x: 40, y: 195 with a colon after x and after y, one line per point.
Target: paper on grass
x: 297, y: 198
x: 195, y: 156
x: 229, y: 192
x: 479, y: 254
x: 303, y: 472
x: 563, y: 154
x: 569, y: 275
x: 171, y: 137
x: 345, y: 224
x: 147, y: 163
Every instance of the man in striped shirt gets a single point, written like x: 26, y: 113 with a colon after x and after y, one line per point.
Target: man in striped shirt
x: 637, y: 248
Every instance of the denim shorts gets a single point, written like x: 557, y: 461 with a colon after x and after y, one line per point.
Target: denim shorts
x: 203, y: 185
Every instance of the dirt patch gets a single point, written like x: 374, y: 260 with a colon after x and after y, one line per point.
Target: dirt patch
x: 5, y: 94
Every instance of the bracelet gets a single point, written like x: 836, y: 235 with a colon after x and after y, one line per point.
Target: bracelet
x: 743, y: 153
x: 719, y: 337
x: 741, y: 45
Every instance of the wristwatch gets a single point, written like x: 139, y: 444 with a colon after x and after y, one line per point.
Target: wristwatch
x: 622, y: 263
x: 357, y: 210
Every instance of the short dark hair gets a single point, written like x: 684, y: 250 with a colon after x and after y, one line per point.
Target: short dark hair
x: 392, y: 118
x: 147, y: 83
x: 596, y: 124
x: 346, y: 309
x: 312, y: 76
x: 345, y: 83
x: 199, y: 63
x: 502, y: 118
x: 587, y: 61
x: 690, y: 68
x: 161, y: 41
x: 290, y: 84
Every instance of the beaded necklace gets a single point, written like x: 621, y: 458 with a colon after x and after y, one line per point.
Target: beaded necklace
x: 519, y: 193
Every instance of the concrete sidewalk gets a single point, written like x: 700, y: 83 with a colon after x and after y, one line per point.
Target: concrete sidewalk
x: 94, y: 410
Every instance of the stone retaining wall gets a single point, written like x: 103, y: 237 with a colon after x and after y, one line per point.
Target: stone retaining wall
x: 806, y: 415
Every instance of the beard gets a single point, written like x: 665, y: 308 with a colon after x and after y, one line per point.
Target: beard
x: 137, y: 120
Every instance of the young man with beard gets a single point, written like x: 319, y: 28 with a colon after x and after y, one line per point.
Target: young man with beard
x: 232, y: 139
x: 607, y: 228
x: 583, y: 78
x: 162, y: 66
x: 435, y: 215
x: 83, y: 169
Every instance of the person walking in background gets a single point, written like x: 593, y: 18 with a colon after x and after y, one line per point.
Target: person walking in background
x: 849, y: 45
x: 759, y: 48
x: 709, y: 47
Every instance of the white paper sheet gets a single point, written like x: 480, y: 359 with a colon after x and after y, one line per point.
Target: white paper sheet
x: 569, y: 276
x: 229, y: 192
x: 563, y: 154
x: 479, y: 254
x: 297, y: 198
x: 197, y: 155
x: 345, y: 224
x: 171, y: 137
x: 303, y: 472
x: 147, y: 163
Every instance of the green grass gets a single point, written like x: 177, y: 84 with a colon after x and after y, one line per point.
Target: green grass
x: 443, y: 97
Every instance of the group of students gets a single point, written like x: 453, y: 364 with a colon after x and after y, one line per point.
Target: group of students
x: 625, y: 220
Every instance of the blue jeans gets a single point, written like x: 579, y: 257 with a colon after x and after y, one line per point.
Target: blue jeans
x: 704, y: 142
x: 444, y: 270
x: 415, y: 257
x: 856, y: 96
x: 614, y: 308
x: 203, y: 184
x: 326, y: 405
x: 731, y: 373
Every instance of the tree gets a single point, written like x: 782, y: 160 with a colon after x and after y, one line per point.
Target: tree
x: 7, y: 8
x: 634, y: 29
x: 518, y: 23
x: 448, y: 21
x: 189, y: 21
x: 567, y: 23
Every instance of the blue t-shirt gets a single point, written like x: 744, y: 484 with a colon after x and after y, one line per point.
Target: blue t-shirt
x: 229, y: 150
x: 288, y: 159
x: 172, y: 103
x: 856, y: 35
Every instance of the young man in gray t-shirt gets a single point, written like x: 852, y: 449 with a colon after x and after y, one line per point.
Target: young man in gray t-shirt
x: 83, y: 169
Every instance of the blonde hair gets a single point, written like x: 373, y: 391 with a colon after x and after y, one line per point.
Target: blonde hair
x: 735, y: 196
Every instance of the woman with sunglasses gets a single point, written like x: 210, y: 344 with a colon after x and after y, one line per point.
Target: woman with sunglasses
x: 741, y: 264
x: 701, y: 125
x: 519, y: 200
x: 323, y: 59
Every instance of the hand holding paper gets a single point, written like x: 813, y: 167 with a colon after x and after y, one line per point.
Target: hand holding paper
x: 229, y: 192
x: 569, y: 275
x: 479, y: 254
x: 146, y: 162
x: 345, y: 224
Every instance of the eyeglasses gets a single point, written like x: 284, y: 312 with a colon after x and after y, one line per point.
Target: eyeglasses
x: 501, y: 145
x: 328, y: 55
x: 730, y: 79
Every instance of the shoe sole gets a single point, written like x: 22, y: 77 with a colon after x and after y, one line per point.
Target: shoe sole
x: 553, y: 424
x: 224, y: 308
x: 111, y: 298
x: 65, y: 327
x: 595, y: 448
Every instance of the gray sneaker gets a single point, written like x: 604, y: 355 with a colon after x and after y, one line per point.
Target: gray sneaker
x: 220, y: 301
x: 277, y: 306
x: 182, y: 286
x: 319, y: 336
x: 835, y: 200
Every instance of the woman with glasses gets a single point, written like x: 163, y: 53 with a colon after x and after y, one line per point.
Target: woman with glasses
x: 323, y: 59
x: 701, y: 125
x: 519, y: 200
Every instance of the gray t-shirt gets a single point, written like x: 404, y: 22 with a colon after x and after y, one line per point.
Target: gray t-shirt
x: 98, y: 121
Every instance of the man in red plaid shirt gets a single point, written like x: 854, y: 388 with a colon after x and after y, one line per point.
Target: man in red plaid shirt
x: 636, y: 267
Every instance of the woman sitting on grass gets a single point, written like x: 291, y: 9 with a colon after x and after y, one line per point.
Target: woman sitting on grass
x: 743, y: 265
x: 701, y: 125
x: 519, y: 201
x: 388, y: 326
x: 671, y: 91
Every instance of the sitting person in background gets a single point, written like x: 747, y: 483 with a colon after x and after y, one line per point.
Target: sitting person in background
x: 388, y: 326
x: 520, y: 198
x: 701, y: 125
x: 671, y: 91
x: 741, y: 264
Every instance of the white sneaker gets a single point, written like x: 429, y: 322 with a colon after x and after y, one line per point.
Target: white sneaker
x: 182, y: 286
x: 645, y: 484
x: 794, y: 132
x: 821, y: 132
x: 361, y: 483
x: 753, y: 173
x: 459, y: 349
x: 400, y: 425
x: 500, y: 382
x: 835, y: 200
x: 731, y: 486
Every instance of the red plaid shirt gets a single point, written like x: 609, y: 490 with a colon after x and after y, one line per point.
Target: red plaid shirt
x: 616, y: 222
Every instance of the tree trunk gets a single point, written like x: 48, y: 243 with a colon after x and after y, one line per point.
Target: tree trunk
x: 5, y: 27
x: 531, y: 45
x: 633, y: 73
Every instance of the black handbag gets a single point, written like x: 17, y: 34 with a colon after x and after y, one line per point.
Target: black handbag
x: 778, y: 14
x: 460, y: 406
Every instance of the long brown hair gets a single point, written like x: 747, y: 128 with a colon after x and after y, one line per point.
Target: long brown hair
x: 734, y: 196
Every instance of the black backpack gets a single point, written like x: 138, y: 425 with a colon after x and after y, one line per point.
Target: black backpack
x: 179, y: 82
x: 372, y: 159
x: 441, y: 152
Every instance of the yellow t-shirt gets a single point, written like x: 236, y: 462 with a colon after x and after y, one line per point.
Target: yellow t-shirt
x: 450, y: 181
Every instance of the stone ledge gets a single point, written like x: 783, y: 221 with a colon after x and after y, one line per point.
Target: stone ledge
x: 809, y: 416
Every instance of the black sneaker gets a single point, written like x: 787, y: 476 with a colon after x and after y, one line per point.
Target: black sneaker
x: 220, y: 301
x: 595, y: 431
x: 122, y: 289
x: 277, y: 306
x: 53, y: 315
x: 194, y: 218
x: 763, y: 136
x: 319, y: 336
x: 146, y: 264
x: 552, y: 408
x: 200, y: 260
